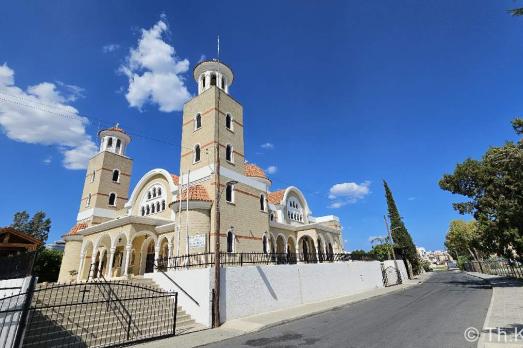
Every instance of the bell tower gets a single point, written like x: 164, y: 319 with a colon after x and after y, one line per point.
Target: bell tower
x: 107, y: 180
x: 212, y: 120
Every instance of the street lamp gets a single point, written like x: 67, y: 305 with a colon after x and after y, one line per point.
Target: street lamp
x: 216, y: 304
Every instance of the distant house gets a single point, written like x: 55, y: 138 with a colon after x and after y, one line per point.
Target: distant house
x: 14, y: 242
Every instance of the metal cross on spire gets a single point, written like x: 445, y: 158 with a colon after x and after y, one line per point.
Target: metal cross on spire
x: 218, y: 47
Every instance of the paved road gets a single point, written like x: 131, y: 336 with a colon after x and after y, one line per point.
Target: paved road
x: 433, y: 314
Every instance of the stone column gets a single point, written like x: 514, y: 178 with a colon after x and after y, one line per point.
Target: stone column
x: 81, y: 267
x: 200, y: 84
x: 156, y: 258
x: 317, y: 252
x: 207, y: 80
x: 110, y: 266
x: 99, y: 271
x: 127, y: 258
x: 171, y: 252
x: 91, y: 267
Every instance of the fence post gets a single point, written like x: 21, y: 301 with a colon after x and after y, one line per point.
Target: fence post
x: 175, y: 312
x: 25, y: 312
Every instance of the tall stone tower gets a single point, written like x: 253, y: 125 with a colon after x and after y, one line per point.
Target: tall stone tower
x: 107, y: 180
x: 212, y: 118
x: 212, y: 154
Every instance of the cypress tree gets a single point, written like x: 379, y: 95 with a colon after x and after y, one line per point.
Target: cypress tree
x: 401, y: 237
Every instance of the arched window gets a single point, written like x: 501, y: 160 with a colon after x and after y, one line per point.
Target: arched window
x: 272, y: 217
x: 229, y: 193
x: 112, y: 199
x: 153, y: 210
x: 213, y: 80
x: 159, y: 191
x: 148, y: 210
x: 154, y: 191
x: 203, y: 81
x: 88, y: 202
x: 228, y: 121
x: 223, y: 82
x: 157, y: 206
x: 116, y: 175
x: 264, y: 241
x: 230, y: 242
x: 262, y: 202
x: 143, y: 211
x: 110, y: 142
x: 118, y: 145
x: 93, y: 176
x: 149, y: 195
x: 229, y: 153
x: 196, y: 153
x: 163, y: 205
x: 197, y: 121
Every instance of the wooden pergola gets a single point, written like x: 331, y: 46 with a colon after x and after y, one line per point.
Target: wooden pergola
x: 14, y: 242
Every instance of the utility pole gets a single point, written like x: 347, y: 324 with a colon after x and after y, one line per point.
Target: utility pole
x: 400, y: 281
x: 216, y: 303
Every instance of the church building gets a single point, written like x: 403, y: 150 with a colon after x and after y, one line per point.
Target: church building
x: 123, y: 233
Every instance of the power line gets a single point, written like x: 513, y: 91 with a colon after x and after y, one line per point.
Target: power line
x: 24, y: 102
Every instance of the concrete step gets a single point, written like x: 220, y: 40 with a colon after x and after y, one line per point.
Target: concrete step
x: 101, y: 338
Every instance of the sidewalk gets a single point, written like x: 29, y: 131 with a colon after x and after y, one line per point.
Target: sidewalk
x: 503, y: 325
x: 245, y: 325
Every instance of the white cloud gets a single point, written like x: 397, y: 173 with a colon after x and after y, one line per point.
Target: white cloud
x: 411, y: 198
x: 271, y: 169
x: 267, y: 146
x: 110, y: 48
x: 348, y: 193
x: 48, y: 120
x: 202, y: 58
x: 47, y: 160
x: 155, y: 73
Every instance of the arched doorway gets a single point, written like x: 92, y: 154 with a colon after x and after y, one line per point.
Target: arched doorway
x: 163, y: 256
x: 291, y: 250
x: 320, y: 249
x: 307, y: 249
x: 281, y: 255
x: 85, y: 264
x: 149, y: 255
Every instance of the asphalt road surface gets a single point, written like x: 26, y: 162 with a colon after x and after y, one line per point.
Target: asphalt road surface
x: 433, y: 314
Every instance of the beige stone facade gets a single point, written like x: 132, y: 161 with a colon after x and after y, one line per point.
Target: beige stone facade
x: 168, y: 215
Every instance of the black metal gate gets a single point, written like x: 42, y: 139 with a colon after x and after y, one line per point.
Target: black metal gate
x: 96, y: 314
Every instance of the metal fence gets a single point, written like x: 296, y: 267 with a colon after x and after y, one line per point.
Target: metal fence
x: 92, y: 314
x: 245, y: 259
x: 499, y: 267
x: 17, y: 266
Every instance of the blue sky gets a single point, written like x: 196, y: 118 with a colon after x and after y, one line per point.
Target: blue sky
x: 353, y: 92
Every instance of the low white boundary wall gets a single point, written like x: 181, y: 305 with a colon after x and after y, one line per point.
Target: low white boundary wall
x: 197, y: 283
x: 11, y: 321
x: 257, y: 289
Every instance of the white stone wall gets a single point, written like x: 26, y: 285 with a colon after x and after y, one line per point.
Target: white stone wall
x: 11, y: 321
x: 401, y: 266
x: 197, y: 283
x: 257, y: 289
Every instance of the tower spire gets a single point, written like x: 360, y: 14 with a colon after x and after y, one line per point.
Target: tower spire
x: 218, y: 47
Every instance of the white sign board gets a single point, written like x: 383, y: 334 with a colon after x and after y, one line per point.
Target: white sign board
x: 197, y: 241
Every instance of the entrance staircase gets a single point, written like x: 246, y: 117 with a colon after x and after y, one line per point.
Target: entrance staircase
x: 65, y: 316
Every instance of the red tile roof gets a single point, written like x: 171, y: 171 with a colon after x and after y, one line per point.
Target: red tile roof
x: 276, y: 197
x: 196, y: 193
x: 254, y: 170
x: 76, y: 228
x: 176, y: 179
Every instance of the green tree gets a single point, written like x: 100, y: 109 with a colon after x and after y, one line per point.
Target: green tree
x: 381, y: 252
x: 464, y: 239
x: 494, y: 188
x: 404, y: 245
x: 47, y: 265
x: 38, y: 226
